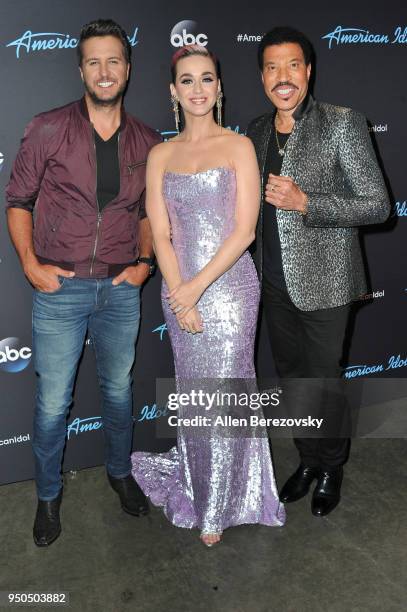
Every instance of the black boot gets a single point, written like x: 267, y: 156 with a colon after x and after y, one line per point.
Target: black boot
x: 132, y: 498
x: 298, y: 484
x: 47, y: 526
x: 327, y: 493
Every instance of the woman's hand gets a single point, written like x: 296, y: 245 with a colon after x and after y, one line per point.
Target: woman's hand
x: 184, y: 297
x: 191, y: 322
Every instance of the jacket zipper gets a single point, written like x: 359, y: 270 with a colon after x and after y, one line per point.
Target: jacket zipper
x: 95, y: 246
x: 99, y: 216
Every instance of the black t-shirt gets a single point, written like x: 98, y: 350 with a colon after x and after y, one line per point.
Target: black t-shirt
x: 272, y: 262
x: 108, y: 171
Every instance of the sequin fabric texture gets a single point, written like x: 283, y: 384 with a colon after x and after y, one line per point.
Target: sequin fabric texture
x: 331, y: 158
x: 214, y: 478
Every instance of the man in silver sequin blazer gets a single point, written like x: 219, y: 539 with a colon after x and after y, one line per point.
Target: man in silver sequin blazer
x: 320, y: 181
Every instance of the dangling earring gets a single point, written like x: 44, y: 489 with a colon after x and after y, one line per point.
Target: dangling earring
x: 175, y: 108
x: 219, y: 107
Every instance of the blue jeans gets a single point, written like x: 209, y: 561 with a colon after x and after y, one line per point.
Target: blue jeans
x: 60, y: 322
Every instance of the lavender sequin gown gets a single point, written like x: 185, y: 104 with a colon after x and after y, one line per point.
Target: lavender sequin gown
x: 212, y: 480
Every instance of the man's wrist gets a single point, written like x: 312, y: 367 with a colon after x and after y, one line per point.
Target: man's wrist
x: 148, y: 261
x: 304, y: 208
x: 29, y: 259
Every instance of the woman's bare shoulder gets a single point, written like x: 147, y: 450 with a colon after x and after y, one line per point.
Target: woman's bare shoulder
x: 160, y: 153
x: 238, y: 143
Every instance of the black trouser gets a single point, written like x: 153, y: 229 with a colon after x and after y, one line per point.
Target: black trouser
x: 308, y: 345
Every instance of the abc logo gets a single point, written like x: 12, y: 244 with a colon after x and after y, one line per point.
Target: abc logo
x: 12, y: 358
x: 185, y: 33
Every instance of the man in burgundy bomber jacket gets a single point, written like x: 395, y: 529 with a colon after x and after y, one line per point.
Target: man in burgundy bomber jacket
x: 80, y: 172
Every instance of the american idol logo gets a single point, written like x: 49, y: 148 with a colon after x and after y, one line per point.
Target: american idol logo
x: 346, y: 36
x: 149, y: 413
x: 79, y: 426
x: 235, y: 129
x: 373, y: 295
x: 15, y: 440
x: 161, y: 329
x: 187, y: 33
x: 13, y: 356
x: 378, y: 128
x: 400, y: 209
x: 167, y: 134
x: 1, y: 161
x: 393, y: 363
x: 49, y: 41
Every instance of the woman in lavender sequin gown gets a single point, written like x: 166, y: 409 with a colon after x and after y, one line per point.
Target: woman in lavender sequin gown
x: 202, y: 202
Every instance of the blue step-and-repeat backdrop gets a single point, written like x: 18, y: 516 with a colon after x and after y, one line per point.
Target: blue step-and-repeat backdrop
x: 361, y: 50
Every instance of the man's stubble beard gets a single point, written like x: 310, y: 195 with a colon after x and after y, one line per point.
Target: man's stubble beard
x: 105, y: 102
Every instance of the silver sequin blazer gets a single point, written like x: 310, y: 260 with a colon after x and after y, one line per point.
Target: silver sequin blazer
x: 330, y: 156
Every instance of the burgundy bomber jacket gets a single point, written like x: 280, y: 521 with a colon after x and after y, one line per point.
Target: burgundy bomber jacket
x: 54, y: 176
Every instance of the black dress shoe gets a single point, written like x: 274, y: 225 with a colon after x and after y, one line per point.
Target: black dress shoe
x: 132, y: 498
x: 47, y: 526
x: 327, y: 493
x: 298, y: 484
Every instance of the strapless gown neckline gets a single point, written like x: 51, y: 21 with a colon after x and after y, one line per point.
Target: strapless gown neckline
x: 207, y: 171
